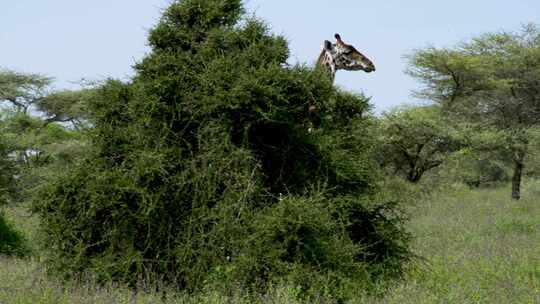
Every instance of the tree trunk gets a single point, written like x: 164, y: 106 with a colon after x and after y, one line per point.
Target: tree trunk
x: 516, y: 178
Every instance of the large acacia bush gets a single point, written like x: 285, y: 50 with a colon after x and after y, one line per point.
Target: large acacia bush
x: 211, y: 166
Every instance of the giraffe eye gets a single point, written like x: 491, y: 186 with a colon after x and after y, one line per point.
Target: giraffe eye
x: 347, y: 52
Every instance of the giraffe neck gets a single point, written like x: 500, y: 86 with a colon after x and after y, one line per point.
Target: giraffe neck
x: 325, y: 61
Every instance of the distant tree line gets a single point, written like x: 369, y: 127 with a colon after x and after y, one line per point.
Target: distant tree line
x: 486, y: 102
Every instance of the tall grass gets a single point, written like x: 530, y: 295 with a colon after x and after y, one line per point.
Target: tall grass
x: 477, y: 246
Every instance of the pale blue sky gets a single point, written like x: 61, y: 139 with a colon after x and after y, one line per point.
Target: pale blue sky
x: 73, y: 39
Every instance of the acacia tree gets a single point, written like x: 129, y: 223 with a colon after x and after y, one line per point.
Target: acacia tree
x: 203, y: 169
x: 414, y: 140
x: 36, y: 137
x: 67, y: 106
x: 492, y: 80
x: 21, y: 90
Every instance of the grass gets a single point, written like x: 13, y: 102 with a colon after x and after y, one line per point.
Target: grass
x: 478, y: 246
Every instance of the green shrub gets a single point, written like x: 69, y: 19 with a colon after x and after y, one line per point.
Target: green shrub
x: 11, y: 240
x: 208, y: 167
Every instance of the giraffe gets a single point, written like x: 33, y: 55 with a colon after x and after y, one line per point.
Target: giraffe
x: 342, y: 56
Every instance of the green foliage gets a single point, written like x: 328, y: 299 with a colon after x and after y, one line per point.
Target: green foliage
x: 210, y: 164
x: 482, y: 160
x: 11, y: 240
x: 33, y: 151
x: 67, y: 106
x: 188, y: 23
x: 492, y: 79
x: 22, y: 90
x: 32, y: 146
x: 415, y: 140
x: 475, y: 169
x: 8, y: 170
x: 533, y: 160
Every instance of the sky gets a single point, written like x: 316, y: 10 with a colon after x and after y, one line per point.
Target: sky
x: 72, y: 40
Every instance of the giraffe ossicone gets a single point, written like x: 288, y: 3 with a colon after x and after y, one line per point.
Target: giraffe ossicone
x: 342, y: 56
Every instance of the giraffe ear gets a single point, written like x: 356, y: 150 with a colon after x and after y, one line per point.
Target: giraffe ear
x: 327, y: 45
x: 338, y: 39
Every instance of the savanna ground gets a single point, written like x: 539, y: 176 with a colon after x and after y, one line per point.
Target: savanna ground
x: 476, y: 246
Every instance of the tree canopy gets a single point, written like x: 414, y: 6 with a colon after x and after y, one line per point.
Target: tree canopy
x: 22, y: 90
x: 414, y: 140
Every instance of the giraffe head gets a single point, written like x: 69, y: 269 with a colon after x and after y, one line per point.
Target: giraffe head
x: 342, y: 56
